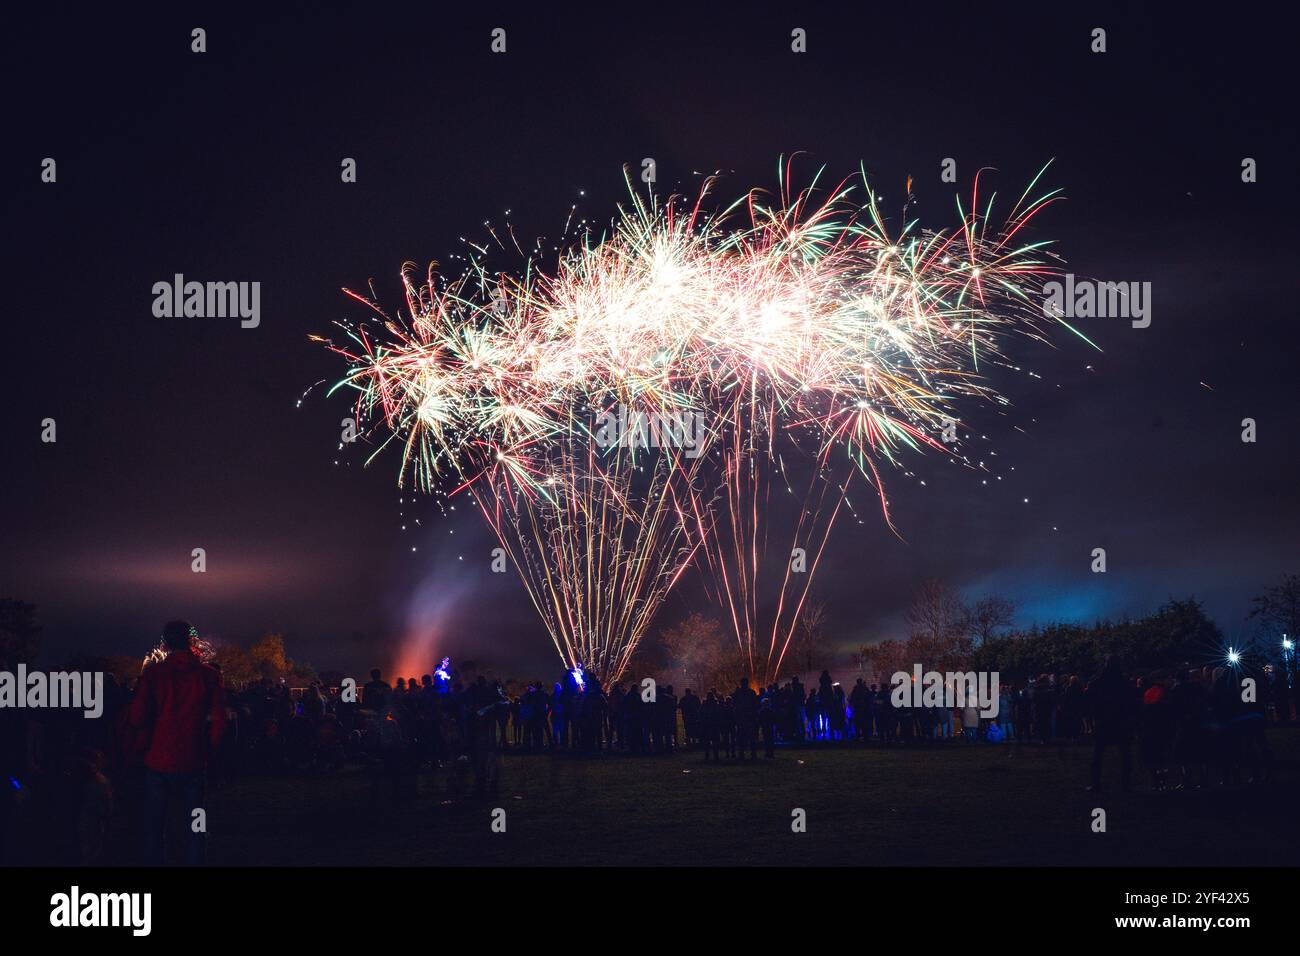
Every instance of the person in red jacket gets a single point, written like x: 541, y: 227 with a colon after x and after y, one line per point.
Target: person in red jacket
x: 178, y: 716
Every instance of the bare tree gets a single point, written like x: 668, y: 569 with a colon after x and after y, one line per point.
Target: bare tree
x: 810, y: 644
x: 938, y: 627
x: 936, y: 613
x: 1278, y: 608
x: 987, y: 616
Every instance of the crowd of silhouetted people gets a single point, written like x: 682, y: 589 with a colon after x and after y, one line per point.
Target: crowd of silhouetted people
x: 178, y: 730
x: 1191, y: 728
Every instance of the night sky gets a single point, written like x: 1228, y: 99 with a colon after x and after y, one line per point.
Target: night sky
x: 182, y: 433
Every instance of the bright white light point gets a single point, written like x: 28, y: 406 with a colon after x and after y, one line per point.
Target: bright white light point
x: 1026, y: 501
x: 1233, y: 656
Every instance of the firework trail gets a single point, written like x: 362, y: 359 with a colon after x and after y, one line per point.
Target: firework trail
x: 858, y: 340
x: 201, y: 647
x: 808, y: 329
x: 600, y: 551
x: 489, y: 398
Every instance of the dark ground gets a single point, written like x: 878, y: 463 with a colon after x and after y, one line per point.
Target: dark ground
x: 951, y: 805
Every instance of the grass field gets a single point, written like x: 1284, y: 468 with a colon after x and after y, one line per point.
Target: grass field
x: 949, y: 805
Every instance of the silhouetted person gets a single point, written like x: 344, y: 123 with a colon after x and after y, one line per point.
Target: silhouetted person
x: 376, y: 693
x: 767, y: 724
x: 1113, y: 708
x: 746, y: 707
x: 1044, y: 698
x: 487, y: 703
x: 1022, y: 714
x: 389, y: 740
x: 690, y: 707
x: 1071, y: 713
x: 797, y: 699
x: 710, y: 725
x: 1188, y: 699
x: 838, y: 710
x: 1155, y: 733
x: 178, y: 716
x: 533, y: 711
x: 860, y: 705
x: 727, y: 725
x: 633, y: 721
x: 617, y: 730
x: 825, y: 690
x: 666, y: 706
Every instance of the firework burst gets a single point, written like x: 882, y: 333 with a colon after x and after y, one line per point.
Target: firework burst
x: 800, y: 330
